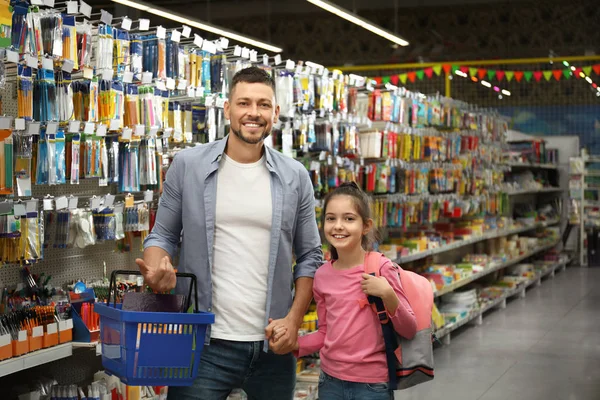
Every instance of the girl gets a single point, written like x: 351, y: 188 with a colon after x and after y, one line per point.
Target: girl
x: 350, y: 339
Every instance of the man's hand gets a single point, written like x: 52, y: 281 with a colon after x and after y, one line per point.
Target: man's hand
x: 282, y: 335
x: 160, y: 278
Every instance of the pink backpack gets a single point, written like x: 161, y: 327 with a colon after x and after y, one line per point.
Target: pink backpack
x: 410, y: 362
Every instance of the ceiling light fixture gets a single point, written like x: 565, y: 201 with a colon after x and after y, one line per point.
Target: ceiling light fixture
x: 161, y: 12
x: 355, y: 19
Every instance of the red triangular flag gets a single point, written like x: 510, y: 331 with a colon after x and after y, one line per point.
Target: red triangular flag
x: 577, y: 72
x: 518, y: 76
x: 447, y: 68
x: 429, y: 72
x: 412, y: 76
x: 500, y: 75
x: 378, y: 80
x: 557, y: 74
x: 394, y: 80
x: 482, y: 73
x: 538, y: 75
x: 596, y: 69
x: 464, y: 70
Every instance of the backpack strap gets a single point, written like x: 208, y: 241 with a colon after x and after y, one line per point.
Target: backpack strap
x: 372, y: 267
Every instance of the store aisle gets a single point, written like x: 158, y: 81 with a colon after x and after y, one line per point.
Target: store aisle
x: 543, y: 347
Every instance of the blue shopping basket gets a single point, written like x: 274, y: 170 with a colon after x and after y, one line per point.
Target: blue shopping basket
x: 152, y: 348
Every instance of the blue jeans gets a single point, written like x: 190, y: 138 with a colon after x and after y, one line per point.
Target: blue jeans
x: 227, y: 365
x: 331, y: 388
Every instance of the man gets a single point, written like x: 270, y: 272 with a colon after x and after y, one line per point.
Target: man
x: 243, y: 208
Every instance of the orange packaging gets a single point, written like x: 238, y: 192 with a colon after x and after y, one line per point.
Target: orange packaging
x: 36, y: 340
x: 65, y: 331
x: 51, y: 336
x: 5, y: 347
x: 21, y: 346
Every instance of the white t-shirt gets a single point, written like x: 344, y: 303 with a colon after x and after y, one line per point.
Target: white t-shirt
x: 241, y: 251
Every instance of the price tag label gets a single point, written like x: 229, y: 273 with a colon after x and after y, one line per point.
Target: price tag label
x: 265, y: 59
x: 5, y: 122
x: 245, y: 52
x: 19, y: 210
x: 48, y: 206
x: 74, y: 127
x: 101, y: 130
x: 85, y: 9
x: 106, y: 17
x: 148, y: 196
x: 160, y: 85
x: 49, y: 3
x: 5, y: 340
x: 73, y: 203
x: 182, y: 84
x: 68, y: 66
x: 153, y: 131
x: 52, y: 128
x: 32, y: 61
x: 37, y: 2
x: 199, y: 92
x: 198, y: 40
x: 126, y: 24
x: 289, y: 64
x: 147, y: 78
x: 220, y: 102
x: 12, y: 56
x: 89, y: 128
x: 38, y: 331
x: 61, y: 203
x: 140, y: 130
x: 47, y: 63
x: 72, y: 7
x: 62, y: 326
x: 95, y: 203
x: 88, y: 73
x: 126, y: 135
x: 191, y: 92
x: 161, y: 32
x: 108, y: 74
x: 115, y: 125
x: 109, y: 200
x: 186, y: 31
x: 209, y: 47
x: 52, y: 328
x: 34, y: 128
x: 254, y: 56
x: 22, y: 336
x: 224, y: 43
x: 170, y: 83
x: 144, y: 24
x: 277, y: 59
x: 167, y: 133
x: 176, y: 36
x: 127, y: 77
x: 237, y: 51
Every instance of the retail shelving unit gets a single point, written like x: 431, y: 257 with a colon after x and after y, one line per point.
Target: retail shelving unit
x: 35, y: 358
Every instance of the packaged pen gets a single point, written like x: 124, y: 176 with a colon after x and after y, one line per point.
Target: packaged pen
x: 137, y: 50
x: 25, y: 92
x: 6, y: 162
x: 75, y: 159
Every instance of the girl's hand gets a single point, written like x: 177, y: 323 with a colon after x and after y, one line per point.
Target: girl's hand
x: 376, y: 286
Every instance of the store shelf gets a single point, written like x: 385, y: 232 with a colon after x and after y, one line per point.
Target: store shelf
x: 476, y: 239
x: 487, y: 271
x: 534, y: 191
x: 527, y: 165
x: 36, y: 358
x: 440, y: 333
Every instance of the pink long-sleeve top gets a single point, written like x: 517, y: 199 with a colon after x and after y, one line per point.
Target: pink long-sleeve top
x: 350, y: 337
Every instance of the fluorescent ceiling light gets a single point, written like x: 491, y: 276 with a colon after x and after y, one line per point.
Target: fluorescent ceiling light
x: 355, y: 19
x: 161, y: 12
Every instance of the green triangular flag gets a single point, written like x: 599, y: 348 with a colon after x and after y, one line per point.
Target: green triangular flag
x: 587, y: 71
x: 510, y: 75
x: 385, y: 79
x: 473, y: 71
x: 403, y: 78
x: 420, y: 74
x: 528, y: 75
x: 437, y: 69
x: 455, y: 68
x: 548, y: 75
x: 567, y: 73
x: 491, y: 74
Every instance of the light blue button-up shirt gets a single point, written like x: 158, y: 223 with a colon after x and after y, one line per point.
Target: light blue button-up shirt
x: 186, y: 215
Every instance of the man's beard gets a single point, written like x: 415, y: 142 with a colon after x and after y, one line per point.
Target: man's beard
x: 250, y: 140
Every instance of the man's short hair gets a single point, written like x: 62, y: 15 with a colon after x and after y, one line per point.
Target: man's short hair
x: 252, y: 75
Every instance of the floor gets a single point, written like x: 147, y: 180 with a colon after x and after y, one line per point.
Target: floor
x: 543, y: 347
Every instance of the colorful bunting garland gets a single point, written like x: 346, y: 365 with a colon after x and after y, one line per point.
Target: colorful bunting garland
x: 490, y: 74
